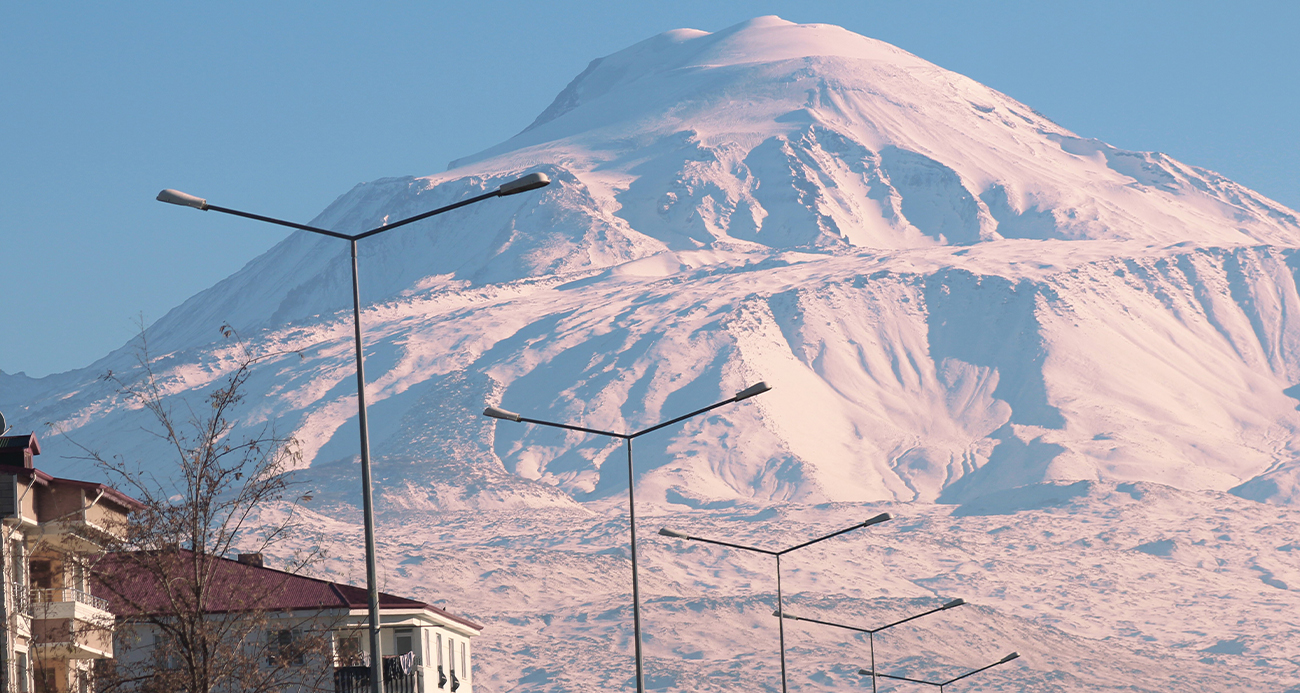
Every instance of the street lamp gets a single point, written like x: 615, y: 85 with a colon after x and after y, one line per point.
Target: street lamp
x: 871, y: 632
x: 941, y: 684
x: 497, y: 413
x: 531, y: 181
x: 882, y: 517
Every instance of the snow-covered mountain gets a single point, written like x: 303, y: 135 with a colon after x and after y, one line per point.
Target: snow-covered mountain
x: 952, y: 296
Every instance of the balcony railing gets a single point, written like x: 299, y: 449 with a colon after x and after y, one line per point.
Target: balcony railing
x: 68, y: 594
x: 401, y: 675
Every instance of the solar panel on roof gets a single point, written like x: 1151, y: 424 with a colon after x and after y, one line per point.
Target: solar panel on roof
x: 15, y: 441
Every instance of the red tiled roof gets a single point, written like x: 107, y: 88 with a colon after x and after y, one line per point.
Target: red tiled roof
x: 133, y: 586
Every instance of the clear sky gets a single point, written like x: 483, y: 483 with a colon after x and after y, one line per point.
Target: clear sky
x: 279, y: 107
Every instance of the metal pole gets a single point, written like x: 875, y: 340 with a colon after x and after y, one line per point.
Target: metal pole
x: 6, y: 646
x: 372, y: 580
x: 636, y: 593
x: 871, y: 638
x: 780, y: 622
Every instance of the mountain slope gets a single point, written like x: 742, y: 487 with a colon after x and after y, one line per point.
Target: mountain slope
x: 1100, y: 587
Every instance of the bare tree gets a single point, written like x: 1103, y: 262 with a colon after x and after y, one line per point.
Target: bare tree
x: 189, y: 618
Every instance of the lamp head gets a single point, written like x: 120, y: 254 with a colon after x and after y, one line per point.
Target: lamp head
x: 864, y: 672
x: 673, y: 533
x: 1009, y: 657
x: 531, y: 181
x: 954, y: 603
x: 757, y: 388
x: 500, y: 414
x: 176, y: 197
x: 882, y: 517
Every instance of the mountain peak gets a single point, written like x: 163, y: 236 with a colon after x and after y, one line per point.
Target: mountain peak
x: 766, y: 39
x: 809, y: 135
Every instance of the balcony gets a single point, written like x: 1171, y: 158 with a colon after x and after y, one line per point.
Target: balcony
x: 67, y: 594
x: 71, y: 624
x: 402, y: 674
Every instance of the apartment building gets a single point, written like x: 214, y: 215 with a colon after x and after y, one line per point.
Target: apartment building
x: 51, y: 531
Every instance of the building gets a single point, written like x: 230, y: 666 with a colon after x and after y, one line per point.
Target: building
x: 51, y: 531
x: 427, y: 649
x: 69, y: 606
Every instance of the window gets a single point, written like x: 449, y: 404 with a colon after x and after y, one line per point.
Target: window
x: 442, y: 673
x: 44, y: 678
x: 350, y: 653
x: 20, y: 579
x: 403, y: 640
x: 464, y: 665
x: 451, y: 656
x: 84, y: 681
x: 282, y: 647
x: 42, y: 575
x: 77, y: 574
x: 18, y: 562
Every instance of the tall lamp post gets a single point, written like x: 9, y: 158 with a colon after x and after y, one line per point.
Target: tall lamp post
x: 497, y: 413
x: 882, y: 517
x: 871, y: 632
x: 531, y: 181
x: 941, y: 684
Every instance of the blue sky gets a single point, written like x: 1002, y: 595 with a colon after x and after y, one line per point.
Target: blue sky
x: 280, y: 107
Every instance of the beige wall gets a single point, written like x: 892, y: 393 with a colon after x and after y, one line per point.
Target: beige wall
x: 106, y: 516
x: 58, y: 636
x: 56, y: 501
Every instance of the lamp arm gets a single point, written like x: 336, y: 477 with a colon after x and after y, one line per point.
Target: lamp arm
x: 972, y: 673
x: 568, y: 427
x: 864, y: 672
x: 426, y: 215
x: 670, y: 422
x: 909, y: 618
x: 828, y: 623
x: 831, y: 536
x: 734, y: 546
x: 281, y: 222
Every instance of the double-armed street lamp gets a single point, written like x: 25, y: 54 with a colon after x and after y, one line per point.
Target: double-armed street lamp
x: 497, y: 413
x: 871, y: 632
x: 777, y: 554
x: 525, y: 183
x: 940, y: 684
